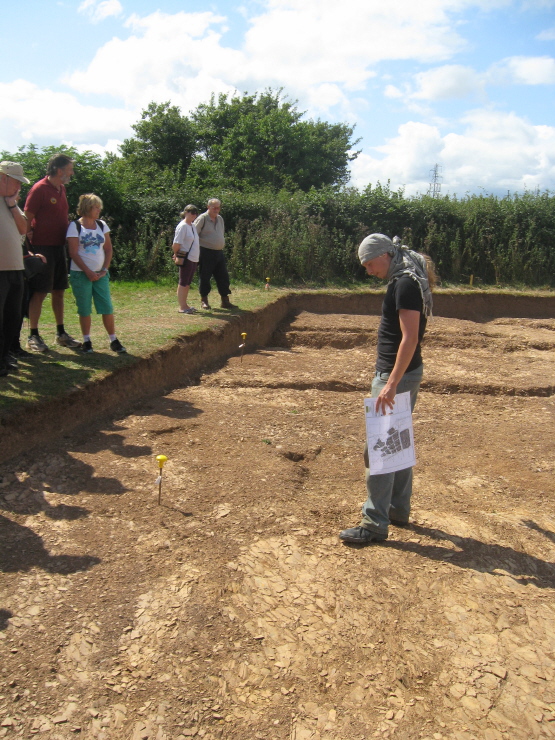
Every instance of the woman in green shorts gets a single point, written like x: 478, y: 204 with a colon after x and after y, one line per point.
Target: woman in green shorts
x: 90, y: 249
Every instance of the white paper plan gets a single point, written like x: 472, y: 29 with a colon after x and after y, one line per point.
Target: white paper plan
x: 390, y: 436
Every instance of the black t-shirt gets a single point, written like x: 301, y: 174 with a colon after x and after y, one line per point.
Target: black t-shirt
x: 403, y: 293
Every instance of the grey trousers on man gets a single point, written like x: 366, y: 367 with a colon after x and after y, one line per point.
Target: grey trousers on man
x: 389, y: 494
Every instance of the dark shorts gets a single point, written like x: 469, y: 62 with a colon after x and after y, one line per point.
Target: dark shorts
x: 54, y: 276
x: 187, y: 272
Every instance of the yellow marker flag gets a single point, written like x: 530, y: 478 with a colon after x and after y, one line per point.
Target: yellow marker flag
x: 161, y: 460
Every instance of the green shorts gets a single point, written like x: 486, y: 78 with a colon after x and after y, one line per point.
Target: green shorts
x: 86, y: 291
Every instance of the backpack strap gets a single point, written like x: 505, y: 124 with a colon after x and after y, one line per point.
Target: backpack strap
x: 99, y: 224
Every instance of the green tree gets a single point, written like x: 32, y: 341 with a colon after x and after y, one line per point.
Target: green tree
x: 254, y: 141
x: 163, y: 138
x: 91, y: 174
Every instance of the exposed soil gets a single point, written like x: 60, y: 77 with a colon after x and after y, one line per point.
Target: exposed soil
x: 232, y: 610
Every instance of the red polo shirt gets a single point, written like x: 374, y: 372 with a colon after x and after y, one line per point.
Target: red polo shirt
x: 50, y: 208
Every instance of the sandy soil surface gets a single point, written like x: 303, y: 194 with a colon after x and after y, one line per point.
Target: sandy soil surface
x: 233, y: 611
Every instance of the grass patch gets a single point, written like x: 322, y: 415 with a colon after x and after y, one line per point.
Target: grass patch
x: 146, y: 320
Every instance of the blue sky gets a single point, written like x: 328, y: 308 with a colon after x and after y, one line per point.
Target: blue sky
x: 466, y: 84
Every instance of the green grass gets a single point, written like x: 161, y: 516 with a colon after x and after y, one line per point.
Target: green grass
x: 146, y: 320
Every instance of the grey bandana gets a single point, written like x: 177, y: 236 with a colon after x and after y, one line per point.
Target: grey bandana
x: 374, y: 246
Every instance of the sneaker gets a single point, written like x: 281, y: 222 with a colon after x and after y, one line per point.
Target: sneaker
x: 87, y: 346
x: 117, y: 346
x: 64, y: 340
x: 37, y: 344
x: 361, y: 536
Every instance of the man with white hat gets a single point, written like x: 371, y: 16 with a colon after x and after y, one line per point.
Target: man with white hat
x: 13, y: 226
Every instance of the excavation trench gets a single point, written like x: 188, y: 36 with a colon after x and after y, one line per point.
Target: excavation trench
x: 491, y: 320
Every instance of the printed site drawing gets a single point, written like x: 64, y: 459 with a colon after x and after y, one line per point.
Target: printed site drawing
x: 390, y: 436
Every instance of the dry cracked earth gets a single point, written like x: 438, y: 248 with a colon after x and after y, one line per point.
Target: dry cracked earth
x: 232, y: 610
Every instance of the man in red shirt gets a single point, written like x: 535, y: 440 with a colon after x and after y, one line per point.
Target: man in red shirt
x: 47, y: 210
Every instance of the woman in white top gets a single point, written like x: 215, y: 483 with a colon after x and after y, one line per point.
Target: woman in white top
x: 186, y: 253
x: 90, y: 249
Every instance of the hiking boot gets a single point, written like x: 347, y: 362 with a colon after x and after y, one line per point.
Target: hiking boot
x: 64, y: 340
x: 87, y: 347
x: 117, y: 346
x: 361, y: 536
x: 226, y: 303
x: 37, y: 344
x: 399, y: 523
x: 204, y: 302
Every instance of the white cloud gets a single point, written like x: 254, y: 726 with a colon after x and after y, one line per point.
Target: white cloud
x: 547, y: 35
x: 322, y: 98
x: 455, y: 81
x: 100, y: 10
x: 295, y: 44
x: 503, y: 152
x: 177, y: 57
x: 302, y: 42
x: 391, y: 91
x: 447, y: 82
x: 524, y: 71
x: 406, y: 159
x: 496, y: 151
x: 110, y: 147
x: 31, y: 114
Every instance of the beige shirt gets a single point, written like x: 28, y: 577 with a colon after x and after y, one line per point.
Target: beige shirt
x: 210, y: 233
x: 11, y: 253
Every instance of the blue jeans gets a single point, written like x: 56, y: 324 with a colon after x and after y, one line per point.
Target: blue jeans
x: 389, y: 494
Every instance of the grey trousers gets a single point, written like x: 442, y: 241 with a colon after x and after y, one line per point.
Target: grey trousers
x: 389, y: 494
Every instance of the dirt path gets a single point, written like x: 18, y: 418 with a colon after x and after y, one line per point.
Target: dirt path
x: 233, y: 611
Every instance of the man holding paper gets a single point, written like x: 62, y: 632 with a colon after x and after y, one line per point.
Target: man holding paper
x: 405, y: 309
